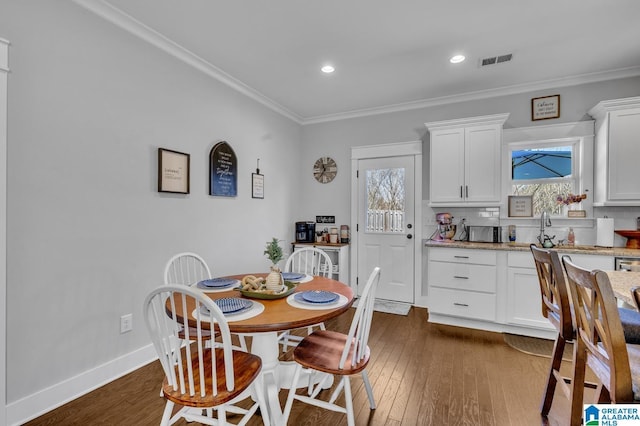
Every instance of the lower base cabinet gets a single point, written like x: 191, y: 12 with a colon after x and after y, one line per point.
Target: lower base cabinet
x: 524, y: 302
x: 492, y: 290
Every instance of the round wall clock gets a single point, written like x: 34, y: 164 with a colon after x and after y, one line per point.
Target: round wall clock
x: 325, y: 169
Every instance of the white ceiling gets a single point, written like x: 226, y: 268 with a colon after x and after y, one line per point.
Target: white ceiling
x: 389, y: 55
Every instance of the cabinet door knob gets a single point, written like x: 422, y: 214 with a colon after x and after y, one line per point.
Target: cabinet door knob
x: 409, y: 236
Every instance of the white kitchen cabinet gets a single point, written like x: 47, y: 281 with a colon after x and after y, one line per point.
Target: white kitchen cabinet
x: 465, y: 167
x: 462, y: 283
x: 617, y: 152
x: 339, y: 254
x: 524, y: 303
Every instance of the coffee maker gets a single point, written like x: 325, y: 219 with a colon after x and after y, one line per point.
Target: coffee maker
x: 446, y: 229
x: 305, y: 232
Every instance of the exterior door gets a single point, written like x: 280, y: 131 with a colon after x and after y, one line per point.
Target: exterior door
x: 386, y: 225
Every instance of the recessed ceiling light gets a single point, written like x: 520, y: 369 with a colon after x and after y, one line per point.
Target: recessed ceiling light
x: 457, y: 59
x: 328, y: 69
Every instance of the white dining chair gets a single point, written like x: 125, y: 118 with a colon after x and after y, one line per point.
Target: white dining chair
x: 186, y: 268
x: 198, y: 376
x: 337, y: 354
x: 189, y: 268
x: 310, y: 261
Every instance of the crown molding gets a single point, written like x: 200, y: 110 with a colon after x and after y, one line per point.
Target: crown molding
x: 116, y: 16
x: 478, y: 95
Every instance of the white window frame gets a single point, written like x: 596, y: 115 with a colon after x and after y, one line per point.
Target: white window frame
x: 579, y: 134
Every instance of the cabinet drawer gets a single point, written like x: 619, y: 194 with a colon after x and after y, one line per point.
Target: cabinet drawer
x: 466, y: 304
x: 520, y: 259
x: 479, y: 257
x: 461, y: 276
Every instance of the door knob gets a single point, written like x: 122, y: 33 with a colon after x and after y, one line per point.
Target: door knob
x: 409, y: 226
x: 409, y: 236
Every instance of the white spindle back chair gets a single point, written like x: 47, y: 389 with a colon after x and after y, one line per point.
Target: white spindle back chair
x: 186, y: 268
x: 194, y: 378
x: 310, y: 261
x: 319, y: 352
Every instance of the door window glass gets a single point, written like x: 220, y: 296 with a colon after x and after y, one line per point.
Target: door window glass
x: 385, y: 200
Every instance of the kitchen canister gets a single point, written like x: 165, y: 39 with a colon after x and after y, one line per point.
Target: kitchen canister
x: 344, y: 234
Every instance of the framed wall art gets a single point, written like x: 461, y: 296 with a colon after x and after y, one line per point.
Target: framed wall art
x: 173, y: 171
x: 520, y: 206
x: 545, y: 107
x: 223, y: 171
x: 257, y: 185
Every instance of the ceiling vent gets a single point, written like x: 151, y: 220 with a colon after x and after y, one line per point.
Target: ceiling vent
x: 493, y: 60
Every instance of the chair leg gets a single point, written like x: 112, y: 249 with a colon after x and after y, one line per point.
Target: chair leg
x: 556, y: 361
x: 166, y: 415
x: 348, y: 401
x: 292, y: 393
x: 367, y: 386
x: 577, y: 383
x: 262, y: 403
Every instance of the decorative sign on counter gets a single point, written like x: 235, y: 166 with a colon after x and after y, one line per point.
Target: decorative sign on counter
x: 520, y: 206
x: 325, y: 219
x: 173, y: 171
x: 545, y: 107
x: 223, y: 171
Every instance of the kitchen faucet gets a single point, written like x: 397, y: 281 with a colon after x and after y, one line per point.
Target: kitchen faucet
x: 543, y: 238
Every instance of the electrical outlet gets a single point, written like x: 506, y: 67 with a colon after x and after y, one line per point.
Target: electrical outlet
x: 126, y: 323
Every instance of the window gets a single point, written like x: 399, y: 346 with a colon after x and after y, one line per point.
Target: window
x: 545, y: 171
x: 385, y: 200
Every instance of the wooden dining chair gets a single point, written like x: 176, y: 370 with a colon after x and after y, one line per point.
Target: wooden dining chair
x: 337, y: 354
x: 600, y: 342
x: 635, y: 293
x: 556, y: 308
x: 198, y: 376
x: 310, y: 261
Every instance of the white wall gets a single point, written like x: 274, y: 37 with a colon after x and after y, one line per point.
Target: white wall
x: 88, y: 233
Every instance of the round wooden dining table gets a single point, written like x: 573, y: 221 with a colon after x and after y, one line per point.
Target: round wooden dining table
x: 278, y: 316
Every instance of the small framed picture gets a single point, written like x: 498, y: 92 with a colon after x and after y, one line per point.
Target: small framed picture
x: 520, y: 206
x: 257, y: 185
x: 545, y: 108
x: 173, y: 171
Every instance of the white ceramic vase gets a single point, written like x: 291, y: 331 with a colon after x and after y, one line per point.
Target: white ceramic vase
x: 274, y: 280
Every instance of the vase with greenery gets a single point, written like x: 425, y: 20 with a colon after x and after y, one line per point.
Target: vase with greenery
x: 274, y: 280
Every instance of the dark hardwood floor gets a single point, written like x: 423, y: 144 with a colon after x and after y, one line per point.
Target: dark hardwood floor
x: 421, y: 373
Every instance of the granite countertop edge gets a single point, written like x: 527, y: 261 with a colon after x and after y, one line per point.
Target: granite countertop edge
x: 595, y: 250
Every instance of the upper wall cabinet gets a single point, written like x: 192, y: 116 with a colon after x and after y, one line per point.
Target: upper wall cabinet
x: 465, y: 165
x: 617, y: 152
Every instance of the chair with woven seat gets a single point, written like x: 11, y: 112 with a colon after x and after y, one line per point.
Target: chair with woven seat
x: 337, y: 354
x: 600, y: 341
x: 310, y: 261
x: 188, y: 268
x: 198, y: 376
x: 556, y: 308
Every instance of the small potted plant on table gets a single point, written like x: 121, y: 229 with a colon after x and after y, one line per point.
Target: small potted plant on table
x: 274, y: 280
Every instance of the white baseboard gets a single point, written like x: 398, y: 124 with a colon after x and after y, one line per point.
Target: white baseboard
x: 43, y: 401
